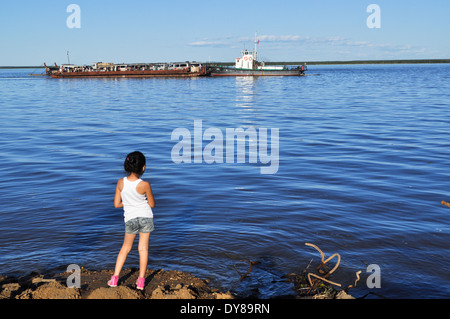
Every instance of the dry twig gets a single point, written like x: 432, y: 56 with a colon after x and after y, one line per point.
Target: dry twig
x: 250, y: 263
x: 324, y: 270
x: 356, y: 280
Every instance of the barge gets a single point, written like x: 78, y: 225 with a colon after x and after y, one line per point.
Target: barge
x: 137, y: 70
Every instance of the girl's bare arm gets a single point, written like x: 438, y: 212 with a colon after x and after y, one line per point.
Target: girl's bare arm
x: 148, y: 192
x: 117, y: 198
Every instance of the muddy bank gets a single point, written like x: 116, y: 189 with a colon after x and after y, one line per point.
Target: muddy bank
x: 160, y: 284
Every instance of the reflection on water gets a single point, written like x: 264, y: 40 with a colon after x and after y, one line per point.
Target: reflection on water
x: 245, y: 90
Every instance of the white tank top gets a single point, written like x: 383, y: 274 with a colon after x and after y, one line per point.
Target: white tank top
x: 134, y: 204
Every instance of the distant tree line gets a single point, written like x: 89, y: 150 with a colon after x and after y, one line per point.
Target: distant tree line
x: 415, y: 61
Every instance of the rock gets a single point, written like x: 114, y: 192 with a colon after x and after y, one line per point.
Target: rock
x: 158, y: 293
x: 9, y: 290
x: 120, y: 292
x: 51, y: 290
x: 343, y: 295
x: 183, y: 293
x: 221, y: 295
x: 40, y: 279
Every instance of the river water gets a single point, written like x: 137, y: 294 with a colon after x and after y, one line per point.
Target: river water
x: 361, y: 170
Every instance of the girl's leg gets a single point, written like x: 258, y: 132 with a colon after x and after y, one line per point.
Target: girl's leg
x: 126, y: 248
x: 143, y: 253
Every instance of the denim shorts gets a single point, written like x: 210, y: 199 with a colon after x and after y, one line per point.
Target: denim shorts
x: 139, y: 225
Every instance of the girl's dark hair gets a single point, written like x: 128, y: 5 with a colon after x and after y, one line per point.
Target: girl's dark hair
x: 134, y: 163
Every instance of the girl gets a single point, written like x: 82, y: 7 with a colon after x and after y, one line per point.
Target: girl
x: 136, y: 198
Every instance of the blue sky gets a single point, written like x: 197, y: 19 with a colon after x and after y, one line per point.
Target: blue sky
x: 33, y: 32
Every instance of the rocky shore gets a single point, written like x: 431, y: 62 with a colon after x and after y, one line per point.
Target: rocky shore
x: 160, y: 284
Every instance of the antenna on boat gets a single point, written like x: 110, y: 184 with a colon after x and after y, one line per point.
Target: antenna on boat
x: 68, y: 57
x: 256, y: 52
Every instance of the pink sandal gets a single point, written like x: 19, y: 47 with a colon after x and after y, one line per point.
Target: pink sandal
x: 140, y: 283
x: 113, y: 282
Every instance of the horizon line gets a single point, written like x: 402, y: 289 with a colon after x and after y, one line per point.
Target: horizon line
x: 388, y: 61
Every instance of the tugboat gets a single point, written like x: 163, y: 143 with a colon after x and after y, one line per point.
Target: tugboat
x: 139, y: 70
x: 248, y: 65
